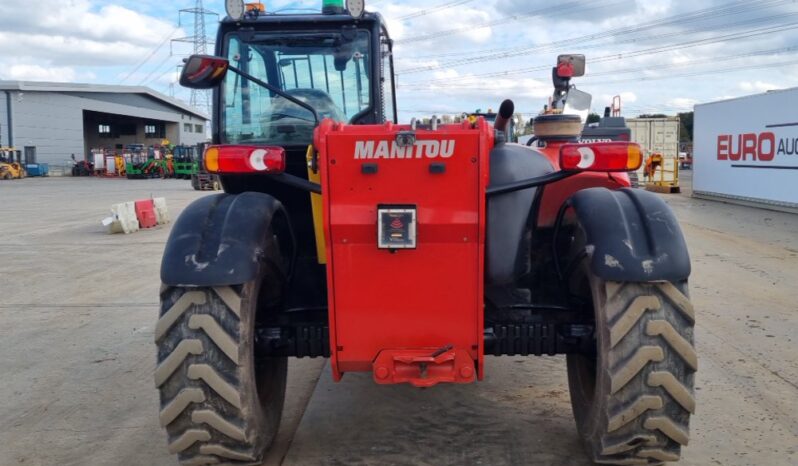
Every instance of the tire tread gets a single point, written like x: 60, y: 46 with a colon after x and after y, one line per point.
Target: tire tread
x: 200, y: 374
x: 651, y: 360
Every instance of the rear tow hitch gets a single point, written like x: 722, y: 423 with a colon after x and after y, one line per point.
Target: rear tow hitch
x: 424, y: 367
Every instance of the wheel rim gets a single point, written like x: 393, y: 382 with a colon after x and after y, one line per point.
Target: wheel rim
x: 582, y: 368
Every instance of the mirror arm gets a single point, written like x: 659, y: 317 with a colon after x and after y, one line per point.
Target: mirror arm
x: 277, y: 91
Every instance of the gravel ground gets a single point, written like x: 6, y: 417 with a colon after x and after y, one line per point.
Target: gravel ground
x: 77, y: 309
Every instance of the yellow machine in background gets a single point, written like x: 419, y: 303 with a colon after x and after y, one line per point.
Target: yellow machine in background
x: 661, y: 174
x: 119, y: 163
x: 9, y: 169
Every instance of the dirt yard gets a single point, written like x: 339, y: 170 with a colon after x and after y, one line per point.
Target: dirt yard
x: 77, y: 309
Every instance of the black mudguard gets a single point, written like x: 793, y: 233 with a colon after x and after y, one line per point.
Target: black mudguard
x: 218, y: 240
x: 508, y: 213
x: 632, y: 236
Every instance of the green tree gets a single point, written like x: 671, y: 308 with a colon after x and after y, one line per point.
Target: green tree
x: 593, y: 118
x: 686, y: 131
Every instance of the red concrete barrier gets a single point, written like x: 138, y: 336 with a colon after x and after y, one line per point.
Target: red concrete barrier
x: 145, y: 212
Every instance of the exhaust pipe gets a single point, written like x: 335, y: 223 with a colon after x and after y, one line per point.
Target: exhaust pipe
x: 505, y: 114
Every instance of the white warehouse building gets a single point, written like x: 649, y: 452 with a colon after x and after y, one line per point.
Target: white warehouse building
x: 48, y: 122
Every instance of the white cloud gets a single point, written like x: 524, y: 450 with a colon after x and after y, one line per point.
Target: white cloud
x: 40, y: 73
x: 654, y: 8
x: 605, y: 100
x: 459, y: 27
x: 630, y: 97
x: 448, y: 73
x: 82, y: 19
x: 682, y: 103
x: 69, y: 39
x: 68, y: 50
x: 758, y: 86
x: 52, y: 40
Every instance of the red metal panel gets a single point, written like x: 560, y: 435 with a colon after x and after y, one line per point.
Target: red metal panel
x: 414, y: 300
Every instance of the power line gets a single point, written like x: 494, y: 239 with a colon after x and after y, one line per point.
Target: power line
x: 551, y: 10
x: 708, y: 13
x: 698, y: 73
x: 672, y: 66
x: 199, y: 98
x: 622, y: 55
x: 151, y: 54
x: 435, y: 9
x: 155, y: 70
x: 557, y: 44
x: 588, y: 82
x: 704, y: 14
x: 171, y: 69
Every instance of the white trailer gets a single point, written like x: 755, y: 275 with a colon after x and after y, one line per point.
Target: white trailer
x: 658, y: 136
x: 745, y: 149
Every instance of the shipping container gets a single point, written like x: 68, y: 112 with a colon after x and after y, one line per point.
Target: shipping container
x: 745, y: 149
x: 658, y: 136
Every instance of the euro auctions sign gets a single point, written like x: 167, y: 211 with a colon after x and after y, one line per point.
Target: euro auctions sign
x: 747, y: 148
x: 761, y: 147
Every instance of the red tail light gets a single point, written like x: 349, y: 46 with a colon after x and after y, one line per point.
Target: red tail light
x: 245, y: 159
x: 565, y: 69
x: 601, y: 157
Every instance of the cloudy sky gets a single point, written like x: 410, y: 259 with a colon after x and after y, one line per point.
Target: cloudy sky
x: 451, y: 55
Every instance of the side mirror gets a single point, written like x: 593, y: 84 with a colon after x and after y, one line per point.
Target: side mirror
x: 578, y: 103
x: 204, y: 72
x: 570, y: 66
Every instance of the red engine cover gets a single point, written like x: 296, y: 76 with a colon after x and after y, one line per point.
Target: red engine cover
x: 409, y: 315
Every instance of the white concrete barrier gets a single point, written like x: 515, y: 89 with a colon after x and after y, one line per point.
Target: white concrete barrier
x: 123, y: 217
x: 161, y: 211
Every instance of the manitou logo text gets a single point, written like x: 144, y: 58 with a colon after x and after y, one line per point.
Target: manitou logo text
x: 391, y: 150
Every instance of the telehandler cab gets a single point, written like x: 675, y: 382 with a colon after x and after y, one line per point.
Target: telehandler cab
x: 408, y: 251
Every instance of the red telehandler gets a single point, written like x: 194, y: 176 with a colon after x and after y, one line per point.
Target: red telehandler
x: 408, y: 251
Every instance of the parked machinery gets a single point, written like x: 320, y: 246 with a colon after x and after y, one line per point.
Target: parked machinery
x: 186, y: 161
x: 11, y: 167
x: 148, y: 162
x: 201, y: 180
x: 408, y: 251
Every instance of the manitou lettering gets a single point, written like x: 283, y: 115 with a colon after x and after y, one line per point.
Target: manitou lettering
x: 391, y: 150
x: 747, y: 147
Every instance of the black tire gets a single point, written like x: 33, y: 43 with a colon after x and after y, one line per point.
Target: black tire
x: 218, y: 402
x: 632, y: 401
